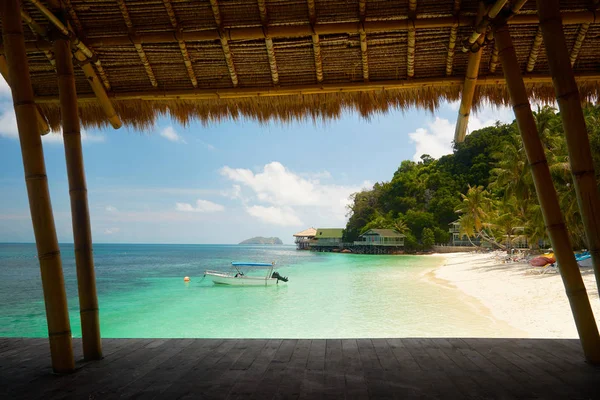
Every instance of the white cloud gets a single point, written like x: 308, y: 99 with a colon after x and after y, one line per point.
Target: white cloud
x: 111, y: 231
x: 207, y: 145
x: 437, y: 137
x: 284, y: 216
x: 234, y: 193
x: 288, y: 194
x: 202, y: 206
x: 111, y: 209
x: 4, y: 88
x: 170, y: 134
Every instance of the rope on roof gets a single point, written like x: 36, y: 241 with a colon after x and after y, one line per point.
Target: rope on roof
x: 264, y: 19
x: 535, y: 50
x: 137, y: 43
x: 182, y: 46
x: 312, y: 15
x: 224, y: 43
x: 410, y: 52
x: 583, y: 28
x: 362, y: 7
x: 452, y: 42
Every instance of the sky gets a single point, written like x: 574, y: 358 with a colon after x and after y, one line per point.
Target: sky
x: 225, y: 182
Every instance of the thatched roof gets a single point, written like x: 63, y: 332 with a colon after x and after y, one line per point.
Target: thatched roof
x: 274, y: 59
x: 310, y: 232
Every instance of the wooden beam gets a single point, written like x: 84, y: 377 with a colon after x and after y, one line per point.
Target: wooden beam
x: 494, y: 58
x: 39, y: 32
x: 264, y: 19
x: 410, y: 51
x: 578, y: 42
x: 468, y: 92
x: 137, y: 43
x: 237, y: 93
x: 292, y: 31
x: 223, y: 37
x: 535, y: 50
x: 548, y: 199
x: 181, y: 42
x: 53, y: 285
x: 484, y: 23
x: 362, y: 8
x: 312, y: 15
x: 571, y: 114
x: 82, y: 232
x: 42, y: 124
x: 452, y: 41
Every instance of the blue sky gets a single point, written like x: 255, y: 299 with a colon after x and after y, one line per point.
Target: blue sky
x: 225, y: 182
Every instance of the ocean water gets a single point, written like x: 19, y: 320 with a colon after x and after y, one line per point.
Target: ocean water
x: 142, y: 294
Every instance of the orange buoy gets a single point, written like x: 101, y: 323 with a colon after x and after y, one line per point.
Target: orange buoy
x: 186, y: 279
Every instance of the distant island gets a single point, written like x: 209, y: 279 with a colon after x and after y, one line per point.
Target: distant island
x: 262, y: 240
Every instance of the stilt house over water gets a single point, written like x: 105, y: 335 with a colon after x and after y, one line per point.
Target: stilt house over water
x: 305, y: 238
x: 74, y: 63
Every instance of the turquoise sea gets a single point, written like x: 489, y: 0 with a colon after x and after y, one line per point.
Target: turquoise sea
x: 142, y: 294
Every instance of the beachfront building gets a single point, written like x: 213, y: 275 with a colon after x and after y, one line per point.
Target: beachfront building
x: 305, y: 238
x: 328, y: 239
x: 458, y: 239
x: 136, y: 61
x: 379, y: 241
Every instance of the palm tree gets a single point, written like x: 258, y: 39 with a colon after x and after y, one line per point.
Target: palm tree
x: 476, y: 208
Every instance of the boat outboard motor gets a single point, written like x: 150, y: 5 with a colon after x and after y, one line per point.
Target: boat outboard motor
x: 279, y: 277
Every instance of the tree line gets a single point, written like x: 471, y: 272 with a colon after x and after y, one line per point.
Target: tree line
x: 485, y: 184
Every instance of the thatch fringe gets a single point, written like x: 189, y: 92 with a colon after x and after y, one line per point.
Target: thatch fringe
x: 143, y: 114
x: 578, y: 42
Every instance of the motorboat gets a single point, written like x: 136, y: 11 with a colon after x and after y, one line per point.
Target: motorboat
x: 239, y: 275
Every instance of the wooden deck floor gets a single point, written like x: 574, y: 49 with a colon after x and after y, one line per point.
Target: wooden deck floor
x: 332, y: 368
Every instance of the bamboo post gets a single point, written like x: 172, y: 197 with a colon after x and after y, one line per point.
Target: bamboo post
x: 82, y: 235
x: 548, y: 199
x: 578, y: 143
x: 55, y: 297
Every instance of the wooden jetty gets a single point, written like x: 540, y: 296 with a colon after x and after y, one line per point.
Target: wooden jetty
x: 448, y: 368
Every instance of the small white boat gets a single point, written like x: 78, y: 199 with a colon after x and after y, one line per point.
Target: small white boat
x: 237, y: 277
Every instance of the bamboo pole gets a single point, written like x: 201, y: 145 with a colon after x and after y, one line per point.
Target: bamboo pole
x: 411, y: 39
x: 548, y: 199
x: 182, y: 46
x: 578, y: 42
x: 235, y: 93
x: 535, y: 50
x: 86, y: 280
x: 137, y: 43
x: 42, y: 124
x: 312, y: 16
x: 468, y: 92
x: 55, y: 298
x: 364, y: 54
x: 494, y: 59
x: 571, y: 114
x: 452, y: 40
x: 221, y: 35
x: 264, y: 19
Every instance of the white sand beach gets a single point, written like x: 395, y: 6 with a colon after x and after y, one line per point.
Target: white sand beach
x: 517, y: 293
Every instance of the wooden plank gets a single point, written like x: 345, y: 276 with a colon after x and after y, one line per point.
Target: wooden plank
x: 246, y: 385
x: 313, y: 384
x: 334, y: 379
x: 356, y: 385
x: 287, y: 378
x: 377, y: 385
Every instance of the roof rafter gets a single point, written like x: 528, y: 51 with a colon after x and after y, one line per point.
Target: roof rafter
x: 578, y: 42
x: 312, y: 16
x: 452, y: 40
x: 137, y: 43
x: 264, y: 19
x: 181, y: 42
x: 73, y: 17
x: 494, y: 59
x: 417, y: 83
x: 222, y: 36
x: 535, y: 50
x: 362, y: 8
x: 39, y: 32
x: 412, y: 31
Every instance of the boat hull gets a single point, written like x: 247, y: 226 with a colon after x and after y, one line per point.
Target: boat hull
x: 222, y: 279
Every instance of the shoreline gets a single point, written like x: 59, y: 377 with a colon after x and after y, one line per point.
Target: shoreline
x: 514, y: 294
